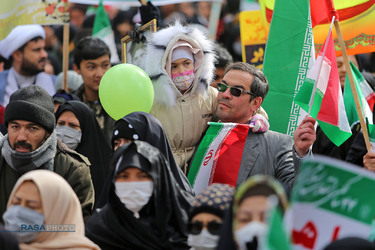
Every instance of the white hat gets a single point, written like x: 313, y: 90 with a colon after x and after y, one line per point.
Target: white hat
x: 18, y: 37
x: 74, y: 80
x: 182, y: 51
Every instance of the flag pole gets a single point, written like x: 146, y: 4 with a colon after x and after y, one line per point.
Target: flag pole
x: 65, y: 53
x: 214, y: 19
x: 352, y: 85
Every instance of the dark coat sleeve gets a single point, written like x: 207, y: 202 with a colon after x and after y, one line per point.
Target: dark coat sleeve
x: 357, y: 150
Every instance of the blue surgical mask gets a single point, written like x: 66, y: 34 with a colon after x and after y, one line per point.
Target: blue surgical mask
x: 17, y: 216
x: 70, y: 136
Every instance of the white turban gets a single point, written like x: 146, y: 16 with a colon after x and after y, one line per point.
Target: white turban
x: 18, y: 37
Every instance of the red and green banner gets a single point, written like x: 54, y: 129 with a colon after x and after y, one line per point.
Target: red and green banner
x: 218, y: 156
x: 357, y: 18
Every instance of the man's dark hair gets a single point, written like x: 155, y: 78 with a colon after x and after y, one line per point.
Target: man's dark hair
x: 80, y: 7
x: 35, y: 39
x: 259, y: 86
x: 89, y: 48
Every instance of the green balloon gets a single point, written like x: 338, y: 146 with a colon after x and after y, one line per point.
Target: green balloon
x: 125, y: 88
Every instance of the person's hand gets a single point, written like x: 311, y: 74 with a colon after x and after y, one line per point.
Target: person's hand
x: 143, y: 2
x: 369, y: 161
x: 304, y: 136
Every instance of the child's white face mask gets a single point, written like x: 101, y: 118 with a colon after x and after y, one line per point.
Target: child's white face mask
x: 183, y: 80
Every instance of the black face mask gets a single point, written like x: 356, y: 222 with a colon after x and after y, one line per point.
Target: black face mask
x: 252, y: 245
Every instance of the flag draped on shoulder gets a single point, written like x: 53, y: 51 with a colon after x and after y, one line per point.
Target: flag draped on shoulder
x: 365, y: 94
x: 102, y: 29
x: 289, y: 54
x: 218, y: 156
x: 321, y: 93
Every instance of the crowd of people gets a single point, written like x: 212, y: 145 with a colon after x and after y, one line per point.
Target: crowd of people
x: 123, y: 184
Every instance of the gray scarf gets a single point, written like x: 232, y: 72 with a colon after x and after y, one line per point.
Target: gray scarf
x: 42, y: 157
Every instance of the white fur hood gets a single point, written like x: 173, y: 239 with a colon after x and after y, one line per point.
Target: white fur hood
x: 158, y: 49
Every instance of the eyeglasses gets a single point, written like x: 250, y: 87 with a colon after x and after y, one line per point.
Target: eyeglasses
x: 234, y: 91
x: 196, y: 227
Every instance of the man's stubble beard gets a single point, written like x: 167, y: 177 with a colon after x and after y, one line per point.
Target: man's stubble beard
x: 28, y: 68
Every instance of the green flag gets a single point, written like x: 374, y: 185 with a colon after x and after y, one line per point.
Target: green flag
x: 276, y: 238
x: 289, y: 54
x: 102, y: 29
x: 362, y: 88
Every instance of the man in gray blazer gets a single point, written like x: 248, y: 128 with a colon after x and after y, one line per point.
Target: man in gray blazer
x: 241, y: 93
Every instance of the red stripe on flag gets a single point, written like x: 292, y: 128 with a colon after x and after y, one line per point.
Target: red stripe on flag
x: 329, y: 110
x: 371, y: 100
x: 321, y: 10
x: 228, y: 157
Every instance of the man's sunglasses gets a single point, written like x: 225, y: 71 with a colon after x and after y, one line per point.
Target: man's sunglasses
x: 196, y: 227
x: 234, y: 91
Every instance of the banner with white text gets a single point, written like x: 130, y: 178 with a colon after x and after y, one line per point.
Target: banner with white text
x: 330, y: 200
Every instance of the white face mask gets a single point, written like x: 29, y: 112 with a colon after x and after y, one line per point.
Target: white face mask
x: 70, y: 136
x: 203, y: 241
x: 248, y: 232
x: 183, y: 80
x: 134, y: 195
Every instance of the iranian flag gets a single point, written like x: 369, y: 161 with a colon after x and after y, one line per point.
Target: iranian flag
x: 102, y: 29
x: 289, y: 54
x: 365, y: 94
x: 321, y: 95
x: 218, y: 157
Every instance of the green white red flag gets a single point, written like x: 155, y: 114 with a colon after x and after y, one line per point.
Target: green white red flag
x: 325, y: 101
x: 371, y: 133
x: 218, y: 156
x: 366, y: 97
x: 102, y: 29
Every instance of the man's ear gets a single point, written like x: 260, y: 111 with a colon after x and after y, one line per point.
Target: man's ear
x: 256, y: 102
x: 17, y: 55
x: 76, y: 69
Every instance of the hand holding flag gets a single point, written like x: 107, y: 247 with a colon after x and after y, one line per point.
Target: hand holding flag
x: 304, y: 136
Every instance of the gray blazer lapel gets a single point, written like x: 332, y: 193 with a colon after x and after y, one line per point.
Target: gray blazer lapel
x: 249, y: 156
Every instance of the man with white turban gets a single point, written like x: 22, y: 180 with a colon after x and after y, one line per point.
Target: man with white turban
x: 24, y: 45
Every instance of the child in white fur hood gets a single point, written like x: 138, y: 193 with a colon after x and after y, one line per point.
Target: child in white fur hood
x: 180, y: 63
